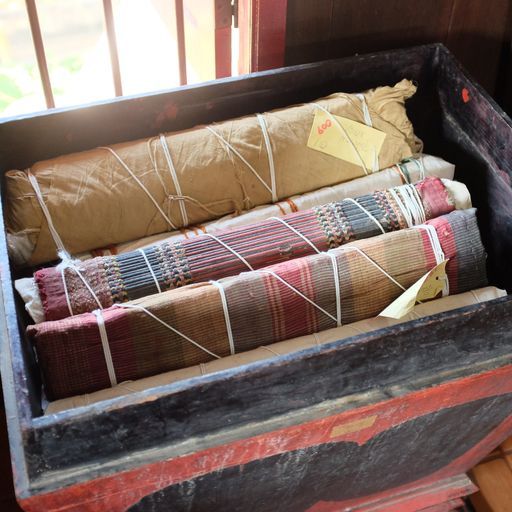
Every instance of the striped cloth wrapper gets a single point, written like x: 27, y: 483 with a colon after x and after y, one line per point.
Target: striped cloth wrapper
x: 193, y: 324
x: 115, y: 279
x: 433, y: 307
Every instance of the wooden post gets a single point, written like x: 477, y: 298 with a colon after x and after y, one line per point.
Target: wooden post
x: 262, y: 26
x: 112, y: 45
x: 37, y: 38
x: 223, y: 17
x: 180, y: 36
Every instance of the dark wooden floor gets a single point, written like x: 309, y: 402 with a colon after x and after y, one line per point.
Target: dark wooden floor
x: 493, y: 476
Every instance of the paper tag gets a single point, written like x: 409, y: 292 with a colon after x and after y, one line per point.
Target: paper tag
x: 328, y: 137
x: 425, y: 288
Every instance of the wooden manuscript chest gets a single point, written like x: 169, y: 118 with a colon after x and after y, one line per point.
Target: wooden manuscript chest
x: 390, y: 420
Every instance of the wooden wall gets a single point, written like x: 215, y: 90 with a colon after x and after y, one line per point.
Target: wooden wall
x: 476, y: 31
x: 504, y: 83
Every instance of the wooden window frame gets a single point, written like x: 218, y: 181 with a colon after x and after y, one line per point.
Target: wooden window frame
x: 262, y: 38
x: 262, y: 32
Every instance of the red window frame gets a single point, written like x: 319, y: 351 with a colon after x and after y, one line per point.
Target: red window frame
x: 262, y: 25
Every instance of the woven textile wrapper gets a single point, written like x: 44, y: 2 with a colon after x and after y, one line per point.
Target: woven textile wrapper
x: 127, y: 191
x: 75, y: 354
x: 276, y: 349
x: 168, y: 265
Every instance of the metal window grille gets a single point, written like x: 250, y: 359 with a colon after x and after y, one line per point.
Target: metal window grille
x: 223, y: 10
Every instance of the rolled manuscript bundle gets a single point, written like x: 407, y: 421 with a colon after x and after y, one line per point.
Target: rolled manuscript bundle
x: 276, y: 349
x: 104, y: 281
x: 199, y: 322
x: 109, y: 195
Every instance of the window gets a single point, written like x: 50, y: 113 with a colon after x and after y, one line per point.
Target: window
x: 61, y: 53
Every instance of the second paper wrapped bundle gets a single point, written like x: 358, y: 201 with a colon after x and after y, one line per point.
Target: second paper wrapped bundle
x: 196, y: 323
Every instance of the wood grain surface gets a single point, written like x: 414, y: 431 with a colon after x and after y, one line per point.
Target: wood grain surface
x: 476, y: 32
x: 493, y: 476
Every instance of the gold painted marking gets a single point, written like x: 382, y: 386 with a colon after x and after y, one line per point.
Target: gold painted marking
x: 353, y: 426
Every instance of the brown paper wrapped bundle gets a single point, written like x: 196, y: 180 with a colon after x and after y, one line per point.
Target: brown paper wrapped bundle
x: 114, y: 194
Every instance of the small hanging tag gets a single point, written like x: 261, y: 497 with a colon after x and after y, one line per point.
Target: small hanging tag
x: 427, y: 287
x: 327, y: 137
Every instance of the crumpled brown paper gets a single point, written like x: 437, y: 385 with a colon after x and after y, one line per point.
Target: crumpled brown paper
x: 94, y: 201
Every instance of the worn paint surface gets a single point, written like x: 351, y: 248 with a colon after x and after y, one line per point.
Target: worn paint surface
x: 432, y: 434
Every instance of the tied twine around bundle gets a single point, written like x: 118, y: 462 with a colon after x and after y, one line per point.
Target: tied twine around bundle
x: 65, y: 256
x: 406, y: 197
x: 410, y: 206
x: 436, y: 249
x: 401, y: 168
x: 67, y: 262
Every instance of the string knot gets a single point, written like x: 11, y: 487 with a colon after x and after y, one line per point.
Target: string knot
x: 67, y: 261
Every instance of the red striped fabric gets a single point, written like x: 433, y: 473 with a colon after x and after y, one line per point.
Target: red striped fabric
x: 260, y: 308
x: 116, y: 279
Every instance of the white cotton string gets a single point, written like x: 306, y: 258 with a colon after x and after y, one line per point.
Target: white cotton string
x: 66, y: 292
x: 405, y: 212
x: 229, y: 147
x: 106, y: 347
x: 226, y: 315
x: 434, y: 242
x: 410, y: 192
x: 53, y: 232
x: 67, y: 260
x: 307, y: 299
x: 141, y: 185
x: 419, y: 201
x: 421, y: 166
x: 271, y: 167
x: 150, y: 270
x: 232, y: 251
x: 374, y: 263
x: 344, y: 133
x: 368, y: 121
x: 239, y: 256
x: 184, y: 336
x: 336, y: 274
x: 298, y: 233
x: 174, y: 176
x: 378, y: 224
x: 364, y: 108
x: 410, y: 204
x: 70, y: 264
x: 437, y: 250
